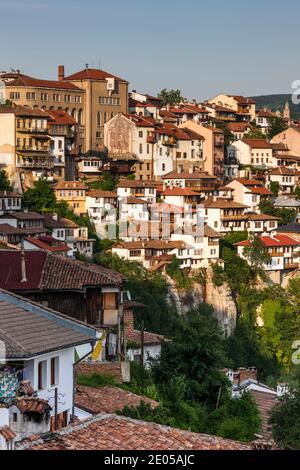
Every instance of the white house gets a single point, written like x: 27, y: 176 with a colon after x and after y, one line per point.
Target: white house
x: 284, y: 253
x: 252, y: 152
x: 249, y: 192
x: 285, y: 177
x: 69, y: 232
x: 37, y: 364
x: 10, y: 201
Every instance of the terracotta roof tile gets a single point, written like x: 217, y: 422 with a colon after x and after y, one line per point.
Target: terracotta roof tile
x: 111, y: 432
x: 93, y: 74
x: 26, y: 81
x: 107, y: 399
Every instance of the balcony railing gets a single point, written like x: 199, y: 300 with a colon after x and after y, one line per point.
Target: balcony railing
x: 35, y: 163
x: 33, y: 129
x: 31, y: 148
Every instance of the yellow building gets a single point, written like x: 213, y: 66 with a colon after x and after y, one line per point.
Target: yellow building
x: 74, y: 193
x: 90, y: 96
x: 25, y: 145
x: 105, y: 96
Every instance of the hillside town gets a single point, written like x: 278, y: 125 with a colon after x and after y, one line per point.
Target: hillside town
x: 121, y: 214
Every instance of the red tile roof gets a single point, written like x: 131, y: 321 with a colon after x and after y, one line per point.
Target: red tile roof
x: 26, y: 81
x: 64, y: 185
x: 247, y: 182
x: 185, y: 175
x: 257, y: 143
x: 93, y: 74
x: 276, y: 241
x: 261, y: 191
x: 49, y: 271
x: 7, y: 433
x: 32, y: 405
x: 60, y: 118
x: 180, y: 192
x: 239, y: 126
x: 111, y: 432
x: 49, y: 244
x: 282, y: 170
x: 107, y: 399
x: 264, y: 402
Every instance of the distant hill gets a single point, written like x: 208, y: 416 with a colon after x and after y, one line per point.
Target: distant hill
x: 276, y: 103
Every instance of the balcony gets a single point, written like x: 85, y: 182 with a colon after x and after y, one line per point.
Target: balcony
x: 291, y: 265
x: 32, y: 148
x: 169, y: 142
x: 46, y: 164
x: 33, y: 130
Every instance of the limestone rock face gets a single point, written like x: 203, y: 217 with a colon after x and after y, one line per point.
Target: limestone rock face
x: 219, y: 297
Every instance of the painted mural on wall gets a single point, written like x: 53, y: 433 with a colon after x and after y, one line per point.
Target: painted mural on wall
x: 119, y: 136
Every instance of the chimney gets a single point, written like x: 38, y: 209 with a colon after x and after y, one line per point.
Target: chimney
x: 129, y: 323
x: 61, y: 72
x: 23, y: 263
x: 55, y: 217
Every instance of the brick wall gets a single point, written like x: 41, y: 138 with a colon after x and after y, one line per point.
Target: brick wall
x: 129, y: 323
x: 112, y: 369
x: 245, y: 374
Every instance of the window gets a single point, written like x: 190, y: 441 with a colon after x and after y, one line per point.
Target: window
x: 31, y: 96
x: 105, y: 117
x: 42, y: 375
x: 14, y: 95
x: 56, y: 98
x: 163, y: 167
x: 77, y: 99
x: 44, y: 96
x: 99, y: 119
x: 135, y: 253
x: 141, y: 148
x: 54, y: 371
x: 67, y: 98
x: 140, y: 134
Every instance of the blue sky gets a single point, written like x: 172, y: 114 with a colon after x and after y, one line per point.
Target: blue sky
x: 200, y: 47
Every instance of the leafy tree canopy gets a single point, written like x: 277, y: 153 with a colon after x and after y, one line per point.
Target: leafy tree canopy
x: 4, y: 182
x: 171, y: 97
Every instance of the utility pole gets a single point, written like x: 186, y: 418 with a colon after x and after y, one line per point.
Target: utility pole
x: 55, y: 409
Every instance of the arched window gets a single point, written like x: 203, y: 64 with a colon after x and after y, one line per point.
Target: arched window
x: 105, y: 116
x: 112, y: 115
x: 67, y: 111
x: 74, y: 114
x: 99, y: 119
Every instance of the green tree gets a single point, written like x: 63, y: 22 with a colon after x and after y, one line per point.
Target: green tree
x: 107, y: 183
x: 4, y: 182
x: 277, y: 125
x: 274, y: 187
x: 255, y: 133
x: 286, y: 216
x: 285, y: 421
x: 41, y: 197
x: 171, y: 97
x: 228, y: 136
x: 195, y: 354
x: 256, y: 254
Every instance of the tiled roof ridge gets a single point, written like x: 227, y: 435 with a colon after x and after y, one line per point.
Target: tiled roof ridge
x: 106, y: 416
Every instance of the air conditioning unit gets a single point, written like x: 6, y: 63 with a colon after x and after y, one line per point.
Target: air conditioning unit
x: 110, y: 84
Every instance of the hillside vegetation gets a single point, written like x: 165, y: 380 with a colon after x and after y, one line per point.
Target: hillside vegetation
x: 276, y: 103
